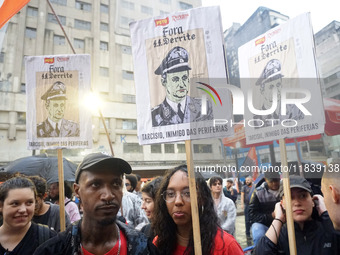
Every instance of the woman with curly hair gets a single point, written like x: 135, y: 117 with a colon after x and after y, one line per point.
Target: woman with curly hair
x: 172, y: 221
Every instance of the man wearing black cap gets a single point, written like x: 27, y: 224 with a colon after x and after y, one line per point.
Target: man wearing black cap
x: 98, y: 185
x: 313, y: 232
x: 177, y: 107
x: 262, y: 204
x: 269, y: 81
x: 55, y: 125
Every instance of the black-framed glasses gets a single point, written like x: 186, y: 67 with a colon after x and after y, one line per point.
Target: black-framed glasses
x: 127, y: 184
x: 170, y: 195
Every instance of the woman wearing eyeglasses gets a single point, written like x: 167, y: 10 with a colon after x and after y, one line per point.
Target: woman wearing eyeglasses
x: 173, y: 222
x: 18, y: 235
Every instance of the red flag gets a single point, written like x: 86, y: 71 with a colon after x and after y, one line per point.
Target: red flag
x: 251, y: 162
x: 9, y: 8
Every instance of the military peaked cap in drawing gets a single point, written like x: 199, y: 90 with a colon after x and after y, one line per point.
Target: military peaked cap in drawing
x: 175, y: 61
x: 271, y: 70
x: 56, y: 92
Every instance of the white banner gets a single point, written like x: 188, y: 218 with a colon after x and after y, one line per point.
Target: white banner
x: 172, y: 54
x: 279, y: 79
x: 56, y: 87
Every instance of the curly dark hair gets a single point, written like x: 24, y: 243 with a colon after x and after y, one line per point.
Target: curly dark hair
x: 165, y: 228
x: 152, y: 187
x: 40, y: 185
x: 215, y: 179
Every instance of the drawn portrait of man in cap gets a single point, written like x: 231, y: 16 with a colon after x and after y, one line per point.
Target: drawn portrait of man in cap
x: 271, y: 79
x: 55, y: 125
x: 177, y: 106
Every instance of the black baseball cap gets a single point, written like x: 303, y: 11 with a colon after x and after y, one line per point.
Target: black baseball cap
x: 296, y: 181
x: 97, y: 158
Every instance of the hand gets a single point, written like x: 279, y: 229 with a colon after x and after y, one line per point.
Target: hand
x: 319, y: 204
x: 279, y: 213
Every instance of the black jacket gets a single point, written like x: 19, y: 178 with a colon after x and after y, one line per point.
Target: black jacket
x: 262, y: 204
x: 68, y: 242
x: 316, y: 238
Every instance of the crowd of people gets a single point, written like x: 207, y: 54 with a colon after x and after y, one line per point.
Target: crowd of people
x: 108, y: 211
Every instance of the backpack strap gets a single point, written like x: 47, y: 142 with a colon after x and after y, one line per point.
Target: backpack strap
x: 43, y: 233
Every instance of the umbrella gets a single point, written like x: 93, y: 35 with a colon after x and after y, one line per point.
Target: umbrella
x: 332, y: 114
x: 44, y: 166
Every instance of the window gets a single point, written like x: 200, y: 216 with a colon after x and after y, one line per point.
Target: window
x: 181, y: 148
x: 78, y: 43
x: 104, y: 71
x: 51, y: 18
x: 21, y: 118
x: 165, y: 1
x: 31, y: 32
x: 104, y: 46
x: 82, y: 24
x: 59, y: 40
x: 23, y: 88
x: 202, y: 148
x: 126, y: 49
x: 185, y: 6
x: 146, y: 10
x: 125, y: 20
x: 127, y: 75
x: 104, y: 26
x: 129, y: 124
x: 32, y: 11
x: 128, y: 5
x: 156, y: 148
x: 107, y: 123
x: 169, y: 148
x: 2, y: 57
x: 104, y: 8
x: 60, y: 2
x: 129, y: 98
x: 83, y: 6
x: 163, y: 13
x: 132, y: 148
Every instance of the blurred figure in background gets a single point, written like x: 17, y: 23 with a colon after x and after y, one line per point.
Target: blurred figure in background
x: 229, y: 191
x: 130, y: 182
x: 46, y: 213
x: 224, y: 206
x: 149, y: 192
x: 245, y: 199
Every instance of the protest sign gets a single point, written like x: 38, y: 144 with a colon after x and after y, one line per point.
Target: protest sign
x: 55, y: 88
x: 279, y: 78
x: 172, y: 53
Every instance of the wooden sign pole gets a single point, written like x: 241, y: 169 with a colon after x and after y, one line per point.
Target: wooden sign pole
x: 288, y: 198
x: 61, y: 190
x: 193, y: 199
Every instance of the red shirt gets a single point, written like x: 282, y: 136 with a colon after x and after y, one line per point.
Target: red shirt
x: 114, y: 250
x: 224, y: 245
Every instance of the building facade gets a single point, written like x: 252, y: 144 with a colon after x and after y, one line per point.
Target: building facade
x: 101, y: 29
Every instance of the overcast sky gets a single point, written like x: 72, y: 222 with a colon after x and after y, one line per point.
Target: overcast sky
x: 322, y: 12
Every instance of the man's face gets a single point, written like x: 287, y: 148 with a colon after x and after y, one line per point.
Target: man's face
x: 176, y: 85
x: 100, y: 192
x: 329, y: 203
x: 56, y: 109
x: 54, y: 191
x: 268, y: 91
x: 229, y: 184
x: 273, y: 184
x: 248, y: 181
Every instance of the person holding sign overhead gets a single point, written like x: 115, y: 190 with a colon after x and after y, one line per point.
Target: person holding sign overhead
x: 55, y: 125
x: 172, y: 221
x: 177, y: 106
